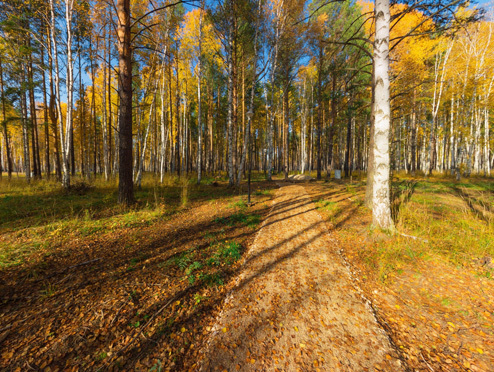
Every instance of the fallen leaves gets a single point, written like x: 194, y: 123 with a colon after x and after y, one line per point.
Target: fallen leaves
x: 97, y: 309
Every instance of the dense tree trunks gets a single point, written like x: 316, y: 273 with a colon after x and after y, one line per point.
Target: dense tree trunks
x: 125, y: 184
x: 381, y: 211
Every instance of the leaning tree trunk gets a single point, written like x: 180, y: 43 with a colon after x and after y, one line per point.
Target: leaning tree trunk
x: 125, y: 184
x: 381, y: 211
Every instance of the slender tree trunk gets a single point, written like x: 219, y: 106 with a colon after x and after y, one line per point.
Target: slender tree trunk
x: 348, y: 151
x: 4, y: 127
x: 319, y: 113
x: 286, y: 150
x: 110, y: 116
x: 487, y: 150
x: 46, y: 125
x: 303, y: 136
x: 230, y: 83
x: 25, y: 135
x: 199, y: 112
x: 334, y: 117
x: 145, y: 141
x: 413, y: 129
x: 34, y: 122
x: 250, y: 112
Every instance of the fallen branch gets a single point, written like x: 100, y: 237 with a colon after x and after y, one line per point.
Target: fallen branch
x: 414, y: 237
x: 81, y: 264
x: 428, y: 365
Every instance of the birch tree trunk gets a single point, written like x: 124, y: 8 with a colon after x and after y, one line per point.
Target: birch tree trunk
x: 303, y: 136
x: 144, y: 145
x: 381, y: 211
x: 67, y: 140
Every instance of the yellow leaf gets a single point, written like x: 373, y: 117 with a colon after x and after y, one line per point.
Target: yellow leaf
x: 224, y: 330
x: 302, y: 345
x: 296, y: 329
x: 183, y: 330
x: 480, y: 351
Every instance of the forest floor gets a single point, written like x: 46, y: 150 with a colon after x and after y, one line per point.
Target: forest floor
x: 87, y: 285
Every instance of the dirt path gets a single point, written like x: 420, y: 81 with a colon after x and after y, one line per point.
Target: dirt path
x: 294, y: 306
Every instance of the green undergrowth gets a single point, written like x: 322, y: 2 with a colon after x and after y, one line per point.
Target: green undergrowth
x: 241, y: 216
x: 435, y: 218
x: 207, y: 265
x: 43, y: 216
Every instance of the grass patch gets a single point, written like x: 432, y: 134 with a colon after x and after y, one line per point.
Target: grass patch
x: 249, y: 220
x: 41, y: 216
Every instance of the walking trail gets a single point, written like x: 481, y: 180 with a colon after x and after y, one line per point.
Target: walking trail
x: 295, y: 307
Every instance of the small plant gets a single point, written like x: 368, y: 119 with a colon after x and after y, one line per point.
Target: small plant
x: 157, y: 367
x: 240, y: 205
x: 211, y: 279
x: 101, y: 355
x: 262, y: 192
x: 198, y: 298
x: 182, y: 261
x: 136, y: 324
x: 249, y: 220
x: 190, y: 271
x: 49, y: 290
x: 228, y: 253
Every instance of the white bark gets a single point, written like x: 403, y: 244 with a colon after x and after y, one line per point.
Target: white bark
x: 381, y: 210
x: 70, y: 93
x: 144, y: 146
x: 303, y: 135
x: 57, y: 87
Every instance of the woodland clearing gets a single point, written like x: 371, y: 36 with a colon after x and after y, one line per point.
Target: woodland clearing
x: 89, y: 285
